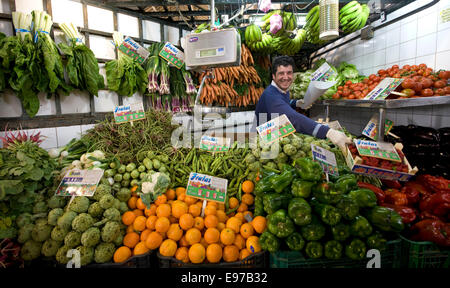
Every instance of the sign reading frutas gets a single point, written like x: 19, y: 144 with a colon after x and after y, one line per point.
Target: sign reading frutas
x: 383, y: 89
x: 275, y: 129
x: 214, y: 144
x: 378, y: 150
x: 172, y: 55
x: 129, y: 113
x: 371, y: 128
x: 207, y: 187
x: 132, y: 49
x: 79, y: 183
x: 326, y: 159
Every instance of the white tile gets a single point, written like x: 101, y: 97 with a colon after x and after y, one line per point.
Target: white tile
x: 65, y: 11
x: 76, y: 102
x: 408, y: 31
x: 26, y: 6
x: 443, y: 40
x: 135, y: 98
x: 10, y: 105
x: 426, y: 45
x: 85, y: 128
x: 100, y: 19
x: 379, y: 58
x: 46, y: 106
x: 427, y: 24
x: 4, y: 7
x: 408, y: 50
x: 6, y: 28
x: 151, y: 30
x: 429, y: 60
x: 65, y: 134
x: 367, y: 61
x: 411, y: 61
x: 106, y: 101
x: 128, y: 25
x: 379, y: 41
x: 393, y: 54
x: 102, y: 47
x: 368, y: 46
x: 392, y: 37
x: 443, y: 60
x: 428, y: 11
x: 359, y: 50
x: 49, y: 137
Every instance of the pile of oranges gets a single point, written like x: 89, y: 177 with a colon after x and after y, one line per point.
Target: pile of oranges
x: 174, y: 225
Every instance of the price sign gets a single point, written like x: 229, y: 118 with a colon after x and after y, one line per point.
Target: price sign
x: 326, y: 159
x: 172, y: 55
x: 275, y: 129
x: 383, y: 89
x: 378, y: 150
x: 79, y: 183
x: 371, y: 128
x: 323, y: 73
x: 207, y: 187
x: 132, y: 49
x: 214, y: 144
x: 129, y: 113
x: 334, y: 125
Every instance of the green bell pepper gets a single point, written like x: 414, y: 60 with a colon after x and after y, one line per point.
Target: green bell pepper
x: 348, y: 207
x: 284, y: 179
x: 333, y: 249
x: 259, y: 206
x: 363, y: 197
x: 376, y: 241
x: 274, y: 201
x: 360, y: 227
x: 385, y: 219
x: 299, y: 211
x: 313, y: 231
x: 328, y: 214
x: 326, y: 193
x: 356, y: 249
x: 295, y: 241
x: 263, y: 185
x: 301, y: 188
x: 308, y: 169
x: 340, y: 232
x: 314, y: 249
x: 279, y: 224
x: 269, y: 242
x: 346, y: 183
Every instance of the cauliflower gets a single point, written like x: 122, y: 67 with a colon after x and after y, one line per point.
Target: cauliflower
x: 50, y: 247
x: 23, y: 219
x: 289, y: 149
x: 53, y: 215
x: 95, y: 210
x: 72, y: 239
x: 40, y: 207
x: 110, y: 231
x: 80, y: 204
x: 58, y: 233
x: 41, y: 232
x: 65, y: 221
x: 86, y: 255
x: 82, y: 222
x: 123, y: 194
x: 61, y: 255
x: 56, y: 202
x: 104, y: 252
x: 91, y: 237
x: 25, y: 233
x: 101, y: 191
x: 30, y: 250
x: 107, y: 201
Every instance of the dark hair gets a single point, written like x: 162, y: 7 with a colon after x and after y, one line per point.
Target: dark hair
x: 282, y: 61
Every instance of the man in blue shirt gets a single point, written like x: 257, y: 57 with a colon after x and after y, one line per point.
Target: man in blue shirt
x: 275, y: 101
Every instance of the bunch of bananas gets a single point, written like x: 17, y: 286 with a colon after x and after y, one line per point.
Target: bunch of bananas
x: 265, y: 46
x: 353, y: 16
x: 252, y: 34
x: 312, y: 26
x: 289, y: 21
x: 285, y: 45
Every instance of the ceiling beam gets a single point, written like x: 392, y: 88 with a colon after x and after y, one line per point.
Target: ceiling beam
x: 193, y: 13
x: 202, y: 2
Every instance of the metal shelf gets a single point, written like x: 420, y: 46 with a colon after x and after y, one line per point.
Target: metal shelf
x: 388, y: 104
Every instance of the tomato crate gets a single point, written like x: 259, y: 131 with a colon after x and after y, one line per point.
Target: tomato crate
x: 424, y: 254
x: 390, y: 258
x: 256, y: 260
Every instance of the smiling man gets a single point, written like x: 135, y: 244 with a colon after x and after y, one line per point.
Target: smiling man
x: 275, y: 102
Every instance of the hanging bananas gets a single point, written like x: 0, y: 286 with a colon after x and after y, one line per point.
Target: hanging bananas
x: 312, y: 26
x: 353, y: 16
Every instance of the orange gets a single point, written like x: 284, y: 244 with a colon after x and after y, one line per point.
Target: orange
x: 131, y: 239
x: 151, y: 221
x: 182, y: 254
x: 247, y: 186
x: 140, y: 205
x: 168, y: 248
x: 140, y: 248
x: 186, y: 221
x: 239, y: 241
x: 211, y: 203
x: 170, y: 194
x: 197, y: 253
x: 179, y: 208
x: 190, y: 200
x: 259, y: 224
x: 154, y: 240
x: 244, y: 253
x: 181, y: 197
x: 144, y: 234
x: 138, y: 212
x: 173, y: 219
x: 247, y: 230
x: 150, y: 211
x: 174, y: 232
x: 214, y: 253
x: 212, y: 235
x: 227, y: 236
x: 161, y: 199
x: 242, y: 207
x: 130, y: 229
x: 139, y: 223
x: 162, y: 224
x: 230, y: 253
x: 122, y: 254
x: 252, y: 244
x: 199, y: 223
x: 248, y: 199
x: 183, y: 242
x: 203, y: 242
x: 221, y: 216
x: 179, y: 191
x: 132, y: 202
x: 233, y: 202
x: 220, y: 226
x: 128, y: 218
x: 170, y: 202
x: 195, y: 210
x: 221, y: 207
x: 163, y: 210
x: 193, y: 236
x: 240, y: 216
x: 211, y: 221
x: 210, y: 210
x: 234, y: 223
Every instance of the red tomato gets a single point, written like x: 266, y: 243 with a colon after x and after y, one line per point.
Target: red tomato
x: 348, y: 82
x: 381, y: 72
x: 440, y: 84
x: 422, y: 66
x: 439, y: 91
x: 395, y: 67
x: 406, y: 67
x: 427, y: 92
x: 447, y: 90
x: 408, y: 83
x: 426, y: 82
x: 417, y: 87
x: 444, y: 74
x: 414, y: 67
x: 417, y: 78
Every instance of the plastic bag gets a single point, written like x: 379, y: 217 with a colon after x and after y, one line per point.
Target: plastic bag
x: 264, y: 5
x: 276, y: 23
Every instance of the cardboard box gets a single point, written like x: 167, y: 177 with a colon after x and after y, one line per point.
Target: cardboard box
x: 358, y: 168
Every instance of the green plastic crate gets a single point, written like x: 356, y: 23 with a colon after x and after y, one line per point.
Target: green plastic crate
x: 390, y: 258
x: 424, y: 254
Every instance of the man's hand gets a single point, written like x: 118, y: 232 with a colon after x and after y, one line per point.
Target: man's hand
x: 340, y: 139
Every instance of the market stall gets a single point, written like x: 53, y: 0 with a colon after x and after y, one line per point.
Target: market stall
x: 126, y: 137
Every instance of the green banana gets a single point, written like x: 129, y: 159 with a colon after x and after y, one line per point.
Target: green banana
x: 351, y: 17
x: 311, y: 13
x: 348, y: 7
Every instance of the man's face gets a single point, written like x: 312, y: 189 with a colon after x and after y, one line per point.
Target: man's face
x: 283, y: 77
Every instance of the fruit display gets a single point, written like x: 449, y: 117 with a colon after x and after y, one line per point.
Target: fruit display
x: 312, y: 26
x: 353, y: 16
